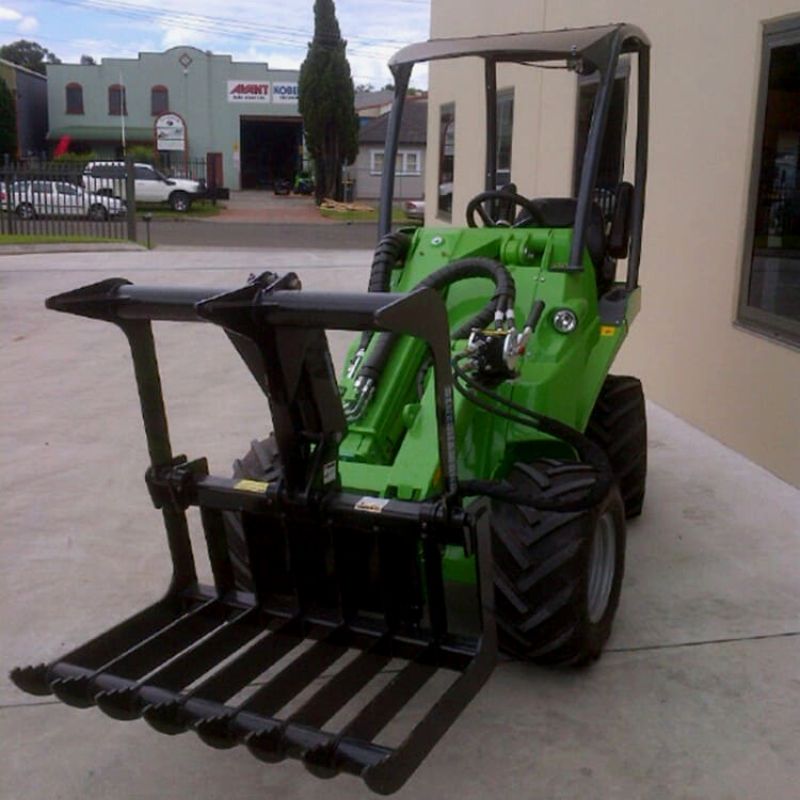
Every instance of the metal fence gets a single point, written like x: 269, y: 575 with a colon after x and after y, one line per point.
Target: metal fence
x: 53, y: 198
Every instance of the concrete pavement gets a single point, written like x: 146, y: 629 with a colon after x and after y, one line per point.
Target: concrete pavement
x: 696, y: 697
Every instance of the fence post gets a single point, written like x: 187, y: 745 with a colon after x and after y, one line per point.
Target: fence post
x: 130, y: 198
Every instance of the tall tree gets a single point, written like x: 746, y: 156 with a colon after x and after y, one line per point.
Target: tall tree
x: 326, y: 103
x: 29, y: 54
x: 8, y: 122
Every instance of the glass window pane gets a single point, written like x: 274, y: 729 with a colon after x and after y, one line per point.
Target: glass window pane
x: 505, y: 131
x: 74, y: 98
x: 159, y: 100
x: 774, y: 284
x: 447, y: 144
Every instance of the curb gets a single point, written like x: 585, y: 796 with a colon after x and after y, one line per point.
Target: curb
x: 68, y: 247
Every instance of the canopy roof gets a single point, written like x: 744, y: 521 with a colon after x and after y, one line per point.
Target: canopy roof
x: 587, y: 43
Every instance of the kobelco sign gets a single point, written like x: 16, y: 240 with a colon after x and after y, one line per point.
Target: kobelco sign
x: 248, y: 92
x: 284, y: 93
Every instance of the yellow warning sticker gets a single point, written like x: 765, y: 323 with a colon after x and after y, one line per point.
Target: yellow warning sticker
x: 607, y: 330
x: 259, y: 487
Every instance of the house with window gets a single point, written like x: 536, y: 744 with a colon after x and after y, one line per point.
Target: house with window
x: 242, y: 116
x: 718, y: 338
x: 368, y: 168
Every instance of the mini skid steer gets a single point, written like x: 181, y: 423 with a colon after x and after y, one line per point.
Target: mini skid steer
x: 462, y: 487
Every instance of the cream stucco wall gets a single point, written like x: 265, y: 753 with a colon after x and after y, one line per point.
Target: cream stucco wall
x: 740, y: 388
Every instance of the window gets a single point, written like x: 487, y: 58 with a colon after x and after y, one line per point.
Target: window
x: 407, y: 162
x: 74, y: 94
x: 505, y: 131
x: 117, y: 105
x: 769, y: 300
x: 609, y: 172
x: 447, y: 145
x: 144, y: 173
x: 159, y: 100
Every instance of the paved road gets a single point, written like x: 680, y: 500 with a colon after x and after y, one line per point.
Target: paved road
x: 213, y: 233
x: 696, y: 696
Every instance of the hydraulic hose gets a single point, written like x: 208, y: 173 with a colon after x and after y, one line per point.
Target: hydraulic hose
x: 499, y: 304
x: 589, y: 452
x: 390, y: 252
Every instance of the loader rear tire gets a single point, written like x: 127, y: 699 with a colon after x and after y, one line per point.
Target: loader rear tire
x: 619, y: 425
x: 557, y: 574
x: 262, y: 463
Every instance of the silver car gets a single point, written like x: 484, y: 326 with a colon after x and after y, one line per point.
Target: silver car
x: 32, y: 198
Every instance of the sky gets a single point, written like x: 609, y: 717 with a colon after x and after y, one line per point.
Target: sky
x: 275, y: 31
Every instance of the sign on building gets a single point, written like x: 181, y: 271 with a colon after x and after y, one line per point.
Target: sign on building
x: 284, y: 93
x: 248, y: 92
x: 170, y: 132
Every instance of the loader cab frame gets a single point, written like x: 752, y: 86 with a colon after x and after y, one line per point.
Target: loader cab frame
x: 595, y: 50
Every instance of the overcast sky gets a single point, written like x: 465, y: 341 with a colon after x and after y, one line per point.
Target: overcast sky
x: 275, y: 31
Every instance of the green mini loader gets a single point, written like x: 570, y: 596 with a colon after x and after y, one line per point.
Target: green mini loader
x: 462, y: 487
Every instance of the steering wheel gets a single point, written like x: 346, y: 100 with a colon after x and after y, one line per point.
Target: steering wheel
x: 477, y: 206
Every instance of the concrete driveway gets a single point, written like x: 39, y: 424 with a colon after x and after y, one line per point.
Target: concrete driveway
x: 696, y: 697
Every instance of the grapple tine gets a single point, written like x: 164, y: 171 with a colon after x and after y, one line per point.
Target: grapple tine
x: 32, y: 679
x: 216, y: 731
x: 268, y: 745
x: 169, y: 717
x: 122, y: 704
x: 75, y: 691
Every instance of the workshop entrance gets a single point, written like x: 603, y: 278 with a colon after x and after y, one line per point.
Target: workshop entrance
x: 271, y: 150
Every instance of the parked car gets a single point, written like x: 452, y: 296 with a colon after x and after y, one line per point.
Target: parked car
x: 150, y: 185
x: 37, y: 198
x: 415, y: 209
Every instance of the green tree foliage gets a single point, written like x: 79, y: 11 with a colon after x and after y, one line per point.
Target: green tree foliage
x: 8, y: 122
x: 326, y: 103
x: 29, y: 54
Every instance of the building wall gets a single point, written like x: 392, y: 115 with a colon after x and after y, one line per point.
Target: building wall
x: 737, y: 386
x: 198, y: 92
x: 30, y: 92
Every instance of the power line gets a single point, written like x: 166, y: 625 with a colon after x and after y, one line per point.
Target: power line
x: 232, y: 28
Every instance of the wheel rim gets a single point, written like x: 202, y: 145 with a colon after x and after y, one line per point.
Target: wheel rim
x: 602, y: 563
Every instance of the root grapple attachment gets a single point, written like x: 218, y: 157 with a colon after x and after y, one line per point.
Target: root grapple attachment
x: 342, y: 656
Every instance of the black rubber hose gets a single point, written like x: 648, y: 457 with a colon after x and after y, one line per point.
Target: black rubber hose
x: 502, y: 299
x: 390, y: 252
x: 589, y: 452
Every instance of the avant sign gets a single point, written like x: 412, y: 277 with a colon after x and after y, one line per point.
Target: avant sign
x: 170, y: 132
x: 248, y: 92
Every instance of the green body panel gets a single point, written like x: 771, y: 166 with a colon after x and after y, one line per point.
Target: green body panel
x: 392, y: 450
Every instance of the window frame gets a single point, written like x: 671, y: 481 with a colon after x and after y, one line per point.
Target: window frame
x: 503, y: 95
x: 403, y: 154
x: 623, y: 74
x: 159, y: 89
x: 445, y: 108
x: 73, y: 85
x: 123, y: 105
x: 775, y: 327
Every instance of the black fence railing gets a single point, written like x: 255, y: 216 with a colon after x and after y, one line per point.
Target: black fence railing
x: 194, y: 168
x: 56, y: 199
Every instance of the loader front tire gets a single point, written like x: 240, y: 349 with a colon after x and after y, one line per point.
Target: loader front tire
x: 261, y: 463
x: 557, y: 574
x: 619, y: 425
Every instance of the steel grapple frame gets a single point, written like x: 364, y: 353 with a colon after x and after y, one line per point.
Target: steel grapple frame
x: 180, y: 662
